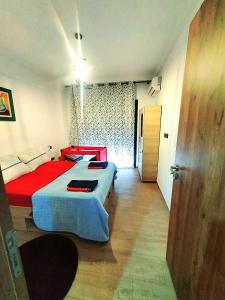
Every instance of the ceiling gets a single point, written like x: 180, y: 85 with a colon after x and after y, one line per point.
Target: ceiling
x: 122, y: 39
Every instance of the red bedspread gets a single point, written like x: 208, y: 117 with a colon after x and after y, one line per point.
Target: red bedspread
x: 20, y: 190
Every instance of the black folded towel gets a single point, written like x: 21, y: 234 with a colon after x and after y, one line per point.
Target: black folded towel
x: 98, y: 165
x: 82, y: 185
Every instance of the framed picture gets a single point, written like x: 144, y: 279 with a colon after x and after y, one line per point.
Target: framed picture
x: 7, y: 112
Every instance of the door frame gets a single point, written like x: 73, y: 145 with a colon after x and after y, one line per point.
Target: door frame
x: 13, y: 284
x: 135, y: 131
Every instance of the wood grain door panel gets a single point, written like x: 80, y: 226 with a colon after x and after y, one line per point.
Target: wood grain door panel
x: 196, y: 243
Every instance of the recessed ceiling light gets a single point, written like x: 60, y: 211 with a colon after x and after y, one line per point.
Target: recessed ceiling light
x: 78, y: 36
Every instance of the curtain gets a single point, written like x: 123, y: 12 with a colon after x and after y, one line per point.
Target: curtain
x: 74, y: 135
x: 104, y: 116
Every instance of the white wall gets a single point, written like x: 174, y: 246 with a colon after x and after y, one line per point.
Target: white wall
x: 170, y: 98
x: 172, y: 74
x: 144, y: 99
x: 63, y: 115
x: 38, y: 108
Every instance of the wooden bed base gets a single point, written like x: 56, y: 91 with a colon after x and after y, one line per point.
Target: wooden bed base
x: 23, y: 219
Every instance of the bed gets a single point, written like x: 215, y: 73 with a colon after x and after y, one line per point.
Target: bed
x: 99, y: 152
x: 41, y: 195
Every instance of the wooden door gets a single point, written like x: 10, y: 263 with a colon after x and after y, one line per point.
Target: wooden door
x: 196, y: 241
x: 12, y: 281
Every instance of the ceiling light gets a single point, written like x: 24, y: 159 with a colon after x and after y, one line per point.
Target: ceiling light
x: 81, y: 70
x: 78, y: 36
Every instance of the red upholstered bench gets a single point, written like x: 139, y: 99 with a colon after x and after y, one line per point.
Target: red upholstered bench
x: 99, y: 152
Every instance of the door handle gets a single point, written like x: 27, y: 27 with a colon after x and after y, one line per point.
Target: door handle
x: 174, y: 171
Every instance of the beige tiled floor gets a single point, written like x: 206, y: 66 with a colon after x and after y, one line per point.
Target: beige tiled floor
x: 132, y: 265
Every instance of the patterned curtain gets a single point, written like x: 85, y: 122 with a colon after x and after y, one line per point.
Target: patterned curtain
x: 104, y: 116
x: 74, y: 135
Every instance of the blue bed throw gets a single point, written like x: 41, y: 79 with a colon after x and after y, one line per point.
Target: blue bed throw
x: 56, y: 209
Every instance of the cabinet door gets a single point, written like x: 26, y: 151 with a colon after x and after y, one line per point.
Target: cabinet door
x: 151, y: 131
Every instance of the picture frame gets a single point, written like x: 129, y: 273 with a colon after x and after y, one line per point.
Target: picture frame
x: 7, y: 112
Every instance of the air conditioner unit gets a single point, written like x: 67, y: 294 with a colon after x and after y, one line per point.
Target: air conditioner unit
x: 154, y: 86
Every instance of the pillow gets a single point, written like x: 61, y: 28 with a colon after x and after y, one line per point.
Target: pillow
x: 33, y: 158
x: 12, y: 167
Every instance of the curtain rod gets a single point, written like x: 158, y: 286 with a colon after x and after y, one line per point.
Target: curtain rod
x: 113, y: 83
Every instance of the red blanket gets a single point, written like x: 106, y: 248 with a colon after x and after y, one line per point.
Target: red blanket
x: 20, y: 190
